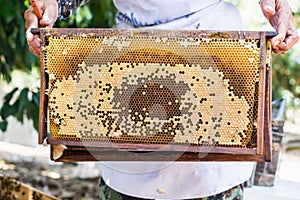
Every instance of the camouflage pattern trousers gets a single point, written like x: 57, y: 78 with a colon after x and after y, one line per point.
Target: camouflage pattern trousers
x: 107, y: 193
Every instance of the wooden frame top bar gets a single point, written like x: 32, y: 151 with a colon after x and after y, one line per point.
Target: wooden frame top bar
x: 238, y: 34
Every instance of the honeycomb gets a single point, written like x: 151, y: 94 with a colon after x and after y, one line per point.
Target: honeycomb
x: 153, y: 89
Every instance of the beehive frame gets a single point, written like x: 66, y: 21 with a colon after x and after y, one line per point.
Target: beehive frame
x: 121, y: 94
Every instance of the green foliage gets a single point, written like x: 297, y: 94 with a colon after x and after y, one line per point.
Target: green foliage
x: 26, y: 103
x: 285, y: 74
x: 14, y: 52
x: 14, y: 55
x: 93, y: 14
x: 103, y: 14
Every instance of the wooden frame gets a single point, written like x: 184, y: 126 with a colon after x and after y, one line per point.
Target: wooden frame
x: 95, y: 151
x: 13, y: 189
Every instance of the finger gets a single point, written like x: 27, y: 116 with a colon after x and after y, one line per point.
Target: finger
x: 31, y: 18
x: 50, y: 13
x: 292, y: 36
x: 282, y: 47
x: 31, y: 22
x: 287, y: 35
x: 287, y: 44
x: 34, y: 46
x: 283, y: 52
x: 278, y: 51
x: 268, y: 7
x: 291, y: 39
x: 277, y: 40
x: 36, y: 53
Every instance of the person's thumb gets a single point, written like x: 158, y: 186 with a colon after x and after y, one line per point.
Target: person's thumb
x: 50, y: 14
x: 268, y: 7
x: 46, y: 20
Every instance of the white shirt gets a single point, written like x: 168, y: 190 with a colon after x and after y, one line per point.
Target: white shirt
x: 177, y: 14
x: 154, y: 12
x: 176, y: 180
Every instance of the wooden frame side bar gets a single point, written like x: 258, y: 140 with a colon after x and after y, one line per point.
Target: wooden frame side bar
x: 268, y: 104
x: 42, y: 130
x: 261, y: 97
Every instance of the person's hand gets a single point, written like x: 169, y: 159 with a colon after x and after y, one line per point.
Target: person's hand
x: 279, y: 14
x: 50, y: 13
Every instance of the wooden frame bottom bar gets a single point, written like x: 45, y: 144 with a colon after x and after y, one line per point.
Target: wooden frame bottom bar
x: 118, y: 155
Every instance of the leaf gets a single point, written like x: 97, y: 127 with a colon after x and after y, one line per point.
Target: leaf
x: 32, y: 112
x: 23, y: 100
x: 18, y: 114
x: 10, y: 95
x: 8, y: 110
x: 36, y: 98
x: 5, y: 72
x: 3, y: 126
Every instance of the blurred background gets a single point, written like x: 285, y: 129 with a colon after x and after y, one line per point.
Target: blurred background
x: 19, y: 101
